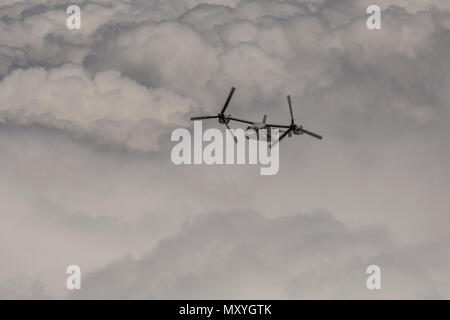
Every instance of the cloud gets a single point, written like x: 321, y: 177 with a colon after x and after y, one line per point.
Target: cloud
x: 38, y: 28
x: 164, y: 54
x: 23, y: 288
x: 65, y: 200
x: 85, y: 122
x: 110, y: 107
x: 244, y: 255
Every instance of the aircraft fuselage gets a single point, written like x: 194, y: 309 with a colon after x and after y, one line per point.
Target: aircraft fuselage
x: 259, y: 131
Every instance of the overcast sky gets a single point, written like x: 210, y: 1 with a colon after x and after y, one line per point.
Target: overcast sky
x: 85, y: 171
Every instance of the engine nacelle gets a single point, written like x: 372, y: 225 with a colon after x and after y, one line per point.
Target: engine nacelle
x: 298, y: 131
x: 224, y: 120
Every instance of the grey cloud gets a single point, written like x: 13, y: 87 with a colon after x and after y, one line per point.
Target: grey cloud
x: 11, y: 58
x: 300, y: 53
x: 244, y: 255
x: 85, y: 122
x: 65, y: 200
x: 271, y: 31
x: 23, y: 288
x: 39, y: 28
x: 68, y: 98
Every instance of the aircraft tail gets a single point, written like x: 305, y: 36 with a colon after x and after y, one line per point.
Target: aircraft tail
x: 264, y: 118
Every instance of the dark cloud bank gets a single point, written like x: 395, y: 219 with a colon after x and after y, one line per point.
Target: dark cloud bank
x: 246, y: 256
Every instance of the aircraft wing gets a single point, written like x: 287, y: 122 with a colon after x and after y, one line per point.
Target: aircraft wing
x: 278, y: 126
x: 240, y: 120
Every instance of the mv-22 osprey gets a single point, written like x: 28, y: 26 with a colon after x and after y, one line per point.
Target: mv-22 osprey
x: 253, y: 131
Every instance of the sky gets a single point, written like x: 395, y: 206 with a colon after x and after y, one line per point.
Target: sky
x: 86, y: 178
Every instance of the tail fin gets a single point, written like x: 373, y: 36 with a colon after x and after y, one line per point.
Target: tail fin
x: 264, y: 118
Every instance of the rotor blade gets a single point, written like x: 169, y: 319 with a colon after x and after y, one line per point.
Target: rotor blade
x: 228, y: 127
x: 315, y: 135
x: 281, y: 137
x: 284, y: 135
x: 228, y: 100
x: 290, y: 108
x: 202, y: 118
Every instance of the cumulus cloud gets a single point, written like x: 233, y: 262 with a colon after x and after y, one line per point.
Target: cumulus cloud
x: 247, y: 256
x: 165, y: 54
x: 85, y: 122
x: 108, y: 106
